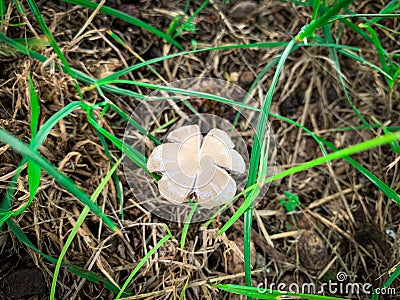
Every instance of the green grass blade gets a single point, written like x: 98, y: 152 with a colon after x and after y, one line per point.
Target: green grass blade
x: 188, y: 23
x: 373, y: 39
x: 355, y: 57
x: 63, y: 180
x: 78, y: 74
x: 382, y: 54
x: 142, y: 262
x: 127, y: 18
x: 390, y: 193
x: 262, y: 122
x: 396, y: 75
x: 2, y: 11
x: 53, y: 120
x: 380, y: 51
x: 7, y: 50
x: 356, y: 29
x: 117, y: 90
x: 35, y: 10
x: 260, y: 75
x: 136, y: 156
x: 83, y: 77
x: 162, y: 58
x: 182, y: 295
x: 328, y: 36
x: 77, y: 225
x: 21, y: 48
x: 255, y: 157
x: 180, y: 91
x: 34, y: 43
x: 354, y: 15
x: 388, y: 282
x: 33, y: 168
x: 395, y: 145
x: 114, y: 176
x: 389, y: 8
x: 121, y: 42
x: 35, y: 144
x: 362, y: 127
x: 314, y: 136
x: 19, y: 7
x: 324, y: 19
x: 176, y: 22
x: 91, y: 276
x: 131, y: 121
x: 300, y: 3
x: 187, y: 223
x: 317, y: 4
x: 375, y: 142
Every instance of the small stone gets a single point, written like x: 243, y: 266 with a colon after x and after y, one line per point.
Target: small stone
x: 130, y: 9
x: 312, y: 251
x: 243, y: 10
x: 246, y: 78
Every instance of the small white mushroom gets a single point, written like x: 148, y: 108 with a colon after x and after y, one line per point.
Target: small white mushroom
x: 193, y: 165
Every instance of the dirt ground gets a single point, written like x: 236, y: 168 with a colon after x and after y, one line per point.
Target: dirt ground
x: 345, y: 225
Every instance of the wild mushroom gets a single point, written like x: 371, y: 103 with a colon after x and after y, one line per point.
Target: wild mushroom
x: 191, y: 164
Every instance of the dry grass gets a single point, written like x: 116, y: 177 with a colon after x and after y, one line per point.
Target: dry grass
x: 345, y: 212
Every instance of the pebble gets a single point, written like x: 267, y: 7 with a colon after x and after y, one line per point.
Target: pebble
x: 246, y: 78
x: 243, y: 10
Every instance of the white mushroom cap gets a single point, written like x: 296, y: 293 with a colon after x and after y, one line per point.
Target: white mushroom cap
x: 220, y: 189
x: 181, y: 134
x: 163, y: 157
x: 218, y: 144
x: 191, y: 164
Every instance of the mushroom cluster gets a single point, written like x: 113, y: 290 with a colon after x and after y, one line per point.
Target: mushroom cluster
x: 196, y: 168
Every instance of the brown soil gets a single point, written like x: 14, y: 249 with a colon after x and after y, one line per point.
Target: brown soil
x: 344, y: 222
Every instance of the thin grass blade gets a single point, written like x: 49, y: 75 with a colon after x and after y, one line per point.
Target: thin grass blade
x: 142, y: 262
x: 33, y: 168
x: 187, y: 223
x: 63, y: 180
x: 35, y: 144
x: 323, y: 20
x: 127, y: 18
x: 375, y: 142
x: 386, y: 285
x: 259, y: 138
x: 77, y: 225
x: 332, y: 52
x: 39, y: 18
